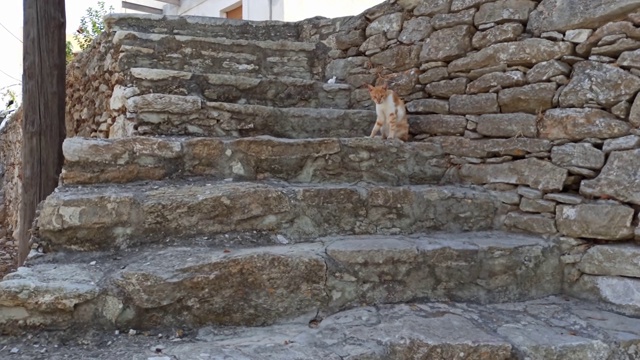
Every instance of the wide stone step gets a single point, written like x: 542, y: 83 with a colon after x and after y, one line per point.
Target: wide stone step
x: 198, y: 285
x: 238, y: 120
x: 549, y: 328
x: 160, y: 114
x: 203, y: 26
x: 282, y: 91
x: 219, y: 55
x: 345, y: 160
x: 115, y: 216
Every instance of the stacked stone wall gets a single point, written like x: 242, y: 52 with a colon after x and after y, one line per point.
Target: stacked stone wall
x: 11, y: 162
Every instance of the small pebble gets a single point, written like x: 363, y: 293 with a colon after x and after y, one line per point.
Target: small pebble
x: 92, y: 263
x: 15, y: 350
x: 132, y: 332
x: 282, y: 239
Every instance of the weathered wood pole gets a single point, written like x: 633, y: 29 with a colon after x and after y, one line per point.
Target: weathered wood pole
x: 43, y: 95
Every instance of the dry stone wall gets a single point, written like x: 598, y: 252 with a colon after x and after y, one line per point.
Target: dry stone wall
x: 477, y: 75
x: 11, y: 163
x: 559, y: 76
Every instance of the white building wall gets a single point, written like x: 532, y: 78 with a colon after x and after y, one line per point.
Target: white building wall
x: 296, y: 10
x: 214, y: 8
x: 284, y: 10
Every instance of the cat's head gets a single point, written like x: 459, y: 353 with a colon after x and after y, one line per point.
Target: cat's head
x: 378, y: 93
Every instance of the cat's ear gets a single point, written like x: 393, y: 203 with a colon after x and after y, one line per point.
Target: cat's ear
x: 370, y: 87
x: 385, y: 87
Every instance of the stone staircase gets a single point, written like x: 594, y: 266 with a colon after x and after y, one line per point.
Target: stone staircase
x: 234, y: 188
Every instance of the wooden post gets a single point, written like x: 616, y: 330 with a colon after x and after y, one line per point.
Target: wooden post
x: 43, y: 95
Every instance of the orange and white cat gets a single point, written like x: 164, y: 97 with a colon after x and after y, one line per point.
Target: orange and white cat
x: 392, y: 115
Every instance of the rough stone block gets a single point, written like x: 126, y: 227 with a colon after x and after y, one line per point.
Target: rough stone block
x: 595, y: 221
x: 527, y: 52
x: 507, y: 125
x: 503, y: 11
x: 603, y: 83
x: 611, y: 260
x: 531, y: 99
x: 428, y: 106
x: 535, y: 173
x: 447, y: 44
x: 561, y: 15
x: 580, y: 124
x: 474, y: 104
x: 582, y: 155
x: 446, y: 88
x: 389, y: 25
x: 496, y: 80
x: 618, y: 178
x: 437, y: 124
x: 533, y: 223
x: 547, y: 70
x: 537, y: 206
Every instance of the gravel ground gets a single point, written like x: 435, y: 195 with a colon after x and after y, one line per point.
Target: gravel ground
x: 91, y: 345
x: 8, y: 255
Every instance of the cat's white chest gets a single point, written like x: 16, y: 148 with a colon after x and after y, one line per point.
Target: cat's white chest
x: 386, y: 108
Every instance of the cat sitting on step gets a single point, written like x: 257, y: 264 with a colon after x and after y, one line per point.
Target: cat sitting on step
x: 391, y: 114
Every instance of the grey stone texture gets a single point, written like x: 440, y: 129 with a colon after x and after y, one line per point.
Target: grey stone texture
x: 219, y: 172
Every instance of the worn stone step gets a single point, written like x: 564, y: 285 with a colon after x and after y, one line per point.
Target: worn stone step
x: 203, y: 26
x: 282, y: 91
x: 238, y: 120
x: 345, y: 160
x: 219, y: 55
x: 197, y: 285
x: 549, y: 328
x: 159, y: 114
x: 114, y: 216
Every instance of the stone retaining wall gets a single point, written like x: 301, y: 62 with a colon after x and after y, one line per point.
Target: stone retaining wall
x: 11, y: 162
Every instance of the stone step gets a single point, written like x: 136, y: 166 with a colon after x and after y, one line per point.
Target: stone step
x: 323, y: 160
x: 99, y: 217
x: 329, y: 160
x: 203, y: 26
x: 237, y: 120
x: 549, y: 328
x: 219, y: 55
x: 159, y: 114
x: 198, y: 285
x: 280, y: 91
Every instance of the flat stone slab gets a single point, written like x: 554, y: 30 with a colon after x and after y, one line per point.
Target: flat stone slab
x: 276, y: 91
x: 250, y: 57
x: 611, y: 260
x: 203, y: 26
x: 322, y: 160
x: 345, y: 160
x: 256, y: 286
x: 548, y: 328
x: 219, y: 119
x: 619, y: 294
x: 117, y: 216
